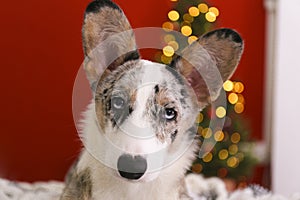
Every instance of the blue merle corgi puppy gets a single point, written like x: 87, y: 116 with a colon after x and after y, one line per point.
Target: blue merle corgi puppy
x: 138, y: 131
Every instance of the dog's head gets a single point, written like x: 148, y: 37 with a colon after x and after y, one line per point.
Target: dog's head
x: 145, y: 111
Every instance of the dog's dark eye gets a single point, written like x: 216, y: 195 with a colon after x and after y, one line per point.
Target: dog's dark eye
x: 170, y: 114
x: 117, y: 103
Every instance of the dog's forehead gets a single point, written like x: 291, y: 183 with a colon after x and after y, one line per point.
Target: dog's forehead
x: 145, y: 73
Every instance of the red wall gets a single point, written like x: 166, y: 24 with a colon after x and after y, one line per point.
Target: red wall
x: 41, y: 53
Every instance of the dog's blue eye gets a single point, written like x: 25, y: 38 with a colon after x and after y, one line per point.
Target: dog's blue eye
x: 170, y: 114
x: 117, y: 103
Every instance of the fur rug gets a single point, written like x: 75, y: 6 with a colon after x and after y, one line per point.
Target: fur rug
x: 10, y: 190
x: 200, y: 188
x: 197, y: 187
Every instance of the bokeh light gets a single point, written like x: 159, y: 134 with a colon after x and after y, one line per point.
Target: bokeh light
x: 214, y: 10
x: 233, y: 98
x: 174, y: 45
x: 239, y: 108
x: 168, y: 38
x: 188, y: 18
x: 241, y: 98
x: 173, y: 15
x: 168, y: 51
x: 186, y: 30
x: 203, y: 8
x: 194, y: 11
x: 220, y: 112
x: 197, y: 168
x: 200, y: 129
x: 228, y: 85
x: 223, y: 154
x: 210, y: 17
x: 206, y: 133
x: 235, y: 138
x: 208, y: 157
x: 219, y: 136
x: 199, y: 118
x: 165, y: 59
x: 233, y: 149
x: 191, y: 39
x: 168, y: 26
x: 232, y: 162
x: 238, y: 87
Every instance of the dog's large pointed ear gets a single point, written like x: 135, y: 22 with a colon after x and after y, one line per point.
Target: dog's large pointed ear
x: 108, y: 40
x: 212, y: 57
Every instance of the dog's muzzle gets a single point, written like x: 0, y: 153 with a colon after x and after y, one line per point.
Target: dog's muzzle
x: 132, y: 167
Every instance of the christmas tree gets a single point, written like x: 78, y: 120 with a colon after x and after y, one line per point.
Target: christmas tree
x: 231, y: 155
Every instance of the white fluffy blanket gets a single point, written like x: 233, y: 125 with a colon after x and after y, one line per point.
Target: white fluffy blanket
x: 24, y: 191
x: 200, y: 188
x: 197, y: 187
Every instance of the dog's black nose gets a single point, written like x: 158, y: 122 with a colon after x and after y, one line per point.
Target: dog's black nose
x: 132, y: 167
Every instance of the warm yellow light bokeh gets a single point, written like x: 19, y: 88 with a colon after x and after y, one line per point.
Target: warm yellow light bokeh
x: 241, y: 98
x: 173, y: 15
x: 168, y: 26
x: 210, y: 17
x: 221, y: 112
x: 168, y: 38
x: 197, y: 168
x: 239, y: 108
x: 191, y: 39
x: 168, y: 51
x: 228, y: 85
x: 214, y: 10
x: 235, y: 138
x: 203, y: 8
x: 232, y: 162
x: 199, y: 118
x: 187, y: 17
x: 166, y: 59
x: 223, y: 154
x: 208, y: 157
x: 186, y: 30
x: 174, y: 45
x: 219, y: 136
x: 233, y: 98
x: 233, y: 149
x: 239, y: 87
x: 194, y: 11
x: 206, y: 133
